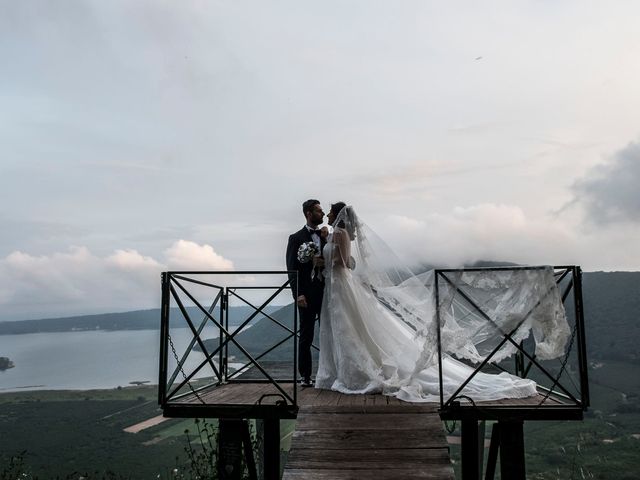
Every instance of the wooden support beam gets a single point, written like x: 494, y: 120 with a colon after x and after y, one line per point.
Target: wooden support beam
x: 230, y: 449
x: 271, y: 447
x: 492, y: 457
x: 512, y: 465
x: 469, y: 450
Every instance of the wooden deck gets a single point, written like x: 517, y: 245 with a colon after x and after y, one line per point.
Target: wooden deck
x: 264, y: 400
x: 340, y: 436
x: 364, y: 440
x: 266, y: 395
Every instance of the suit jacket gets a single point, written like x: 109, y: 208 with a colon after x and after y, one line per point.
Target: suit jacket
x: 312, y: 289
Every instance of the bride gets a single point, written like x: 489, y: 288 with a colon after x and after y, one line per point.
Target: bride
x: 378, y: 332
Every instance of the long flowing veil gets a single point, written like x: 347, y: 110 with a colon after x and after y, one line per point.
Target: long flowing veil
x: 517, y: 302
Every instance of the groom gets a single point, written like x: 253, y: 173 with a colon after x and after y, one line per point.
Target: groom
x: 310, y: 287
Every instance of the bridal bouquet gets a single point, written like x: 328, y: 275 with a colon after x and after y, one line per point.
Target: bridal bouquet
x: 307, y: 251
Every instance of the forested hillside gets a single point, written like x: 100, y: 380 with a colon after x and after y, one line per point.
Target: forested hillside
x: 612, y: 315
x: 135, y: 320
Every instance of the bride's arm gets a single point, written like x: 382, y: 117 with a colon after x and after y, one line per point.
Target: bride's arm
x: 341, y: 248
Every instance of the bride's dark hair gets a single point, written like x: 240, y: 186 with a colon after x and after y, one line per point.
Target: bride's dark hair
x: 349, y: 226
x: 337, y: 207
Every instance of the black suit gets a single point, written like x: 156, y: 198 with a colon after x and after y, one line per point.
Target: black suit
x: 312, y: 289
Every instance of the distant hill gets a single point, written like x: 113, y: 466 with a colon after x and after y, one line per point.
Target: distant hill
x: 134, y: 320
x: 263, y: 334
x: 612, y: 315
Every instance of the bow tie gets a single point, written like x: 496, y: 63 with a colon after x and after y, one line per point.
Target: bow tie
x: 316, y: 231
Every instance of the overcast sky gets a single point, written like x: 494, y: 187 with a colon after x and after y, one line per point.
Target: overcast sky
x: 137, y: 136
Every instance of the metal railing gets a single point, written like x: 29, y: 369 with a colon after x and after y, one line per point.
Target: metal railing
x: 569, y: 281
x: 179, y: 301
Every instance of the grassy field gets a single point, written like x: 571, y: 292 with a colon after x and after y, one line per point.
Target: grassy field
x: 62, y: 432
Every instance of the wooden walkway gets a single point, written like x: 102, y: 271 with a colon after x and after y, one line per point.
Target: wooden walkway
x: 341, y: 436
x: 364, y: 436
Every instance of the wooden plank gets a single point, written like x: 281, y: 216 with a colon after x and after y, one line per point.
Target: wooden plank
x: 403, y: 408
x: 307, y: 396
x: 216, y: 395
x: 334, y: 398
x: 327, y: 398
x: 268, y: 389
x: 317, y: 400
x: 314, y: 458
x: 368, y: 439
x: 371, y: 400
x: 367, y: 436
x: 432, y: 472
x: 247, y: 394
x: 359, y: 421
x: 237, y: 393
x: 350, y: 399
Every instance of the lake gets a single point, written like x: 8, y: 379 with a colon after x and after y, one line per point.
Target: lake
x: 87, y: 359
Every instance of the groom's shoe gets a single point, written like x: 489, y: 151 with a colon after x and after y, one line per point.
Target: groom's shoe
x: 306, y: 382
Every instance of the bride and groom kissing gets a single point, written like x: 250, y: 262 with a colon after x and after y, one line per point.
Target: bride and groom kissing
x: 377, y: 328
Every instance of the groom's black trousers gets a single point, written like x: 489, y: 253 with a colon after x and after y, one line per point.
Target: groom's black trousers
x: 308, y: 317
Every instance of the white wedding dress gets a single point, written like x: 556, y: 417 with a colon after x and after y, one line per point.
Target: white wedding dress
x: 378, y: 332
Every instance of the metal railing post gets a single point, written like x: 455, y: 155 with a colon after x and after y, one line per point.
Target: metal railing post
x: 437, y: 295
x: 222, y: 358
x: 295, y: 348
x: 164, y: 339
x: 582, y: 346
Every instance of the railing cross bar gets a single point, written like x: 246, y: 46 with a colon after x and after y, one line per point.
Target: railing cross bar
x: 242, y: 349
x: 190, y: 323
x: 193, y: 330
x: 297, y: 334
x: 261, y: 355
x: 245, y: 322
x: 507, y: 337
x: 199, y: 282
x: 203, y: 322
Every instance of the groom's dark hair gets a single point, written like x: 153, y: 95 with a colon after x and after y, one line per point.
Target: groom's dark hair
x: 308, y: 205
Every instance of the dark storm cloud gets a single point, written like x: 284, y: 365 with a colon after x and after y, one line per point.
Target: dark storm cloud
x: 610, y: 192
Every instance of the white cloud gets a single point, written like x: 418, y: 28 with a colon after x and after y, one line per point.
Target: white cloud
x: 481, y: 232
x: 185, y: 255
x: 131, y: 260
x: 80, y: 282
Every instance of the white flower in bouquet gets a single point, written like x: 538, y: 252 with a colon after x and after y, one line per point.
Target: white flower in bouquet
x: 307, y: 251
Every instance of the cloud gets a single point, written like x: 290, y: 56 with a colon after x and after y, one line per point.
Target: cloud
x: 185, y: 255
x: 131, y: 260
x: 480, y: 232
x: 79, y: 282
x: 609, y: 192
